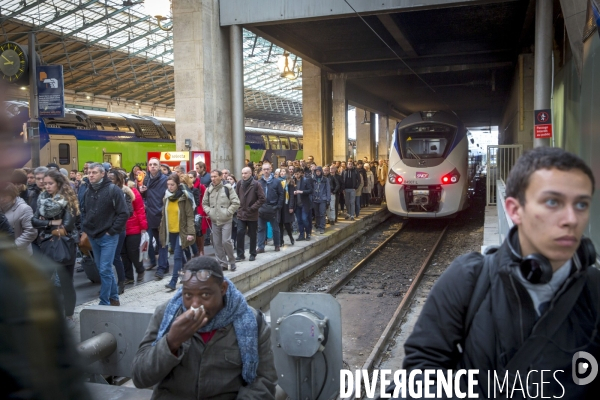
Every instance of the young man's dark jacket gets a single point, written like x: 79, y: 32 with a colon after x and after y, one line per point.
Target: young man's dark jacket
x: 350, y: 178
x: 105, y: 210
x: 306, y: 185
x: 153, y: 198
x: 505, y: 319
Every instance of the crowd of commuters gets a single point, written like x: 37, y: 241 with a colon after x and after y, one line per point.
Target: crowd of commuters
x: 109, y: 211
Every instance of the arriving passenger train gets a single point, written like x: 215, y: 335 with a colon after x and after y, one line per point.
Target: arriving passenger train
x: 428, y: 166
x: 125, y: 139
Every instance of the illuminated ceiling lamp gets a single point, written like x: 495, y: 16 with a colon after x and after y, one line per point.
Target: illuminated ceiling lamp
x: 287, y: 72
x: 365, y: 120
x: 161, y: 10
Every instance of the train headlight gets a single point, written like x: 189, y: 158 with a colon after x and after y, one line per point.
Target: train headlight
x: 394, y: 178
x: 452, y: 177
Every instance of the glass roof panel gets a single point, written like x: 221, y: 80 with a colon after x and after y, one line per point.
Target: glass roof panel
x: 130, y: 30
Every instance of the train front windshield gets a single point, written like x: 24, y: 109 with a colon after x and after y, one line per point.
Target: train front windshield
x: 425, y: 140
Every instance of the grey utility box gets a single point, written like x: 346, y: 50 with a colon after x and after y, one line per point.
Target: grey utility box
x: 306, y: 334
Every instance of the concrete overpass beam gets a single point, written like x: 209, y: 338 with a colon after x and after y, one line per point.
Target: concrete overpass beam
x: 202, y: 80
x: 340, y: 118
x: 316, y: 114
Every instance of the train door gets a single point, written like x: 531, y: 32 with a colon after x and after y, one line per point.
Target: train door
x: 63, y: 151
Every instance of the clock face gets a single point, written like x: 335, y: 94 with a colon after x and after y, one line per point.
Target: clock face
x: 13, y: 62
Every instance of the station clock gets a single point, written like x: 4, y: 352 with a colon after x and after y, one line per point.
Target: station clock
x: 13, y: 62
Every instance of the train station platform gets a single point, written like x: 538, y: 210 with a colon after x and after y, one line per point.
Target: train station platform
x: 270, y: 273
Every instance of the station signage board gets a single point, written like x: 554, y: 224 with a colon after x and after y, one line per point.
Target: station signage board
x: 51, y: 93
x: 187, y: 159
x: 543, y: 124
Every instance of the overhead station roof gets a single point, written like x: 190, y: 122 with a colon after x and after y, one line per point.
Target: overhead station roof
x: 113, y: 48
x: 409, y: 55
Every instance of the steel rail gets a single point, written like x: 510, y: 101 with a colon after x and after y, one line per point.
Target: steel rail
x: 402, y: 308
x: 336, y: 287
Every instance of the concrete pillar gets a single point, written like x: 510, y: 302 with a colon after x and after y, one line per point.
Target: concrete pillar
x: 237, y: 97
x: 316, y: 114
x: 384, y: 136
x: 202, y: 80
x: 543, y: 61
x: 365, y: 135
x: 340, y: 118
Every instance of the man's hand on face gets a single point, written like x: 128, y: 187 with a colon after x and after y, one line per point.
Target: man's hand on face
x: 184, y: 327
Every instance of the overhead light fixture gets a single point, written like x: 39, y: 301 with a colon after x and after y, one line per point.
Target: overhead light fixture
x: 161, y: 10
x: 137, y: 104
x: 365, y: 120
x: 88, y: 97
x: 287, y: 72
x: 23, y: 87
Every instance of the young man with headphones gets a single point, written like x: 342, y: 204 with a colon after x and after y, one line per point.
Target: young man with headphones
x: 526, y: 311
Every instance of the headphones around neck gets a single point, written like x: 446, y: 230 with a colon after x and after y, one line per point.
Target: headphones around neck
x: 536, y: 268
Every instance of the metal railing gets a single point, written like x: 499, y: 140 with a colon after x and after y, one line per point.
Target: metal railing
x: 500, y: 160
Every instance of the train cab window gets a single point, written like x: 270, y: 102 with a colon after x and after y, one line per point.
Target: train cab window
x: 99, y: 126
x: 285, y: 143
x: 425, y: 141
x: 294, y: 143
x: 266, y: 140
x: 115, y: 127
x: 301, y: 142
x: 114, y: 159
x: 64, y: 154
x: 274, y: 141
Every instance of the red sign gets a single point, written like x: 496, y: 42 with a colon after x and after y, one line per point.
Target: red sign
x: 543, y: 131
x: 186, y: 159
x: 543, y: 124
x: 422, y: 175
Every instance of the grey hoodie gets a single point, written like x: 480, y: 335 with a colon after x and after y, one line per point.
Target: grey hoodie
x: 19, y: 216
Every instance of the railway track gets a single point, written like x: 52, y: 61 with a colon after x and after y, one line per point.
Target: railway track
x: 376, y: 292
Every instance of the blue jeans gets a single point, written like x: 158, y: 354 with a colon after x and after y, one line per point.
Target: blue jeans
x: 117, y: 262
x: 163, y: 252
x: 303, y: 215
x: 178, y: 256
x: 350, y: 200
x: 104, y: 253
x: 262, y: 230
x: 357, y: 204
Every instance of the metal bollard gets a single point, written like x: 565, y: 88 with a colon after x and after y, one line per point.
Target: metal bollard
x: 97, y: 347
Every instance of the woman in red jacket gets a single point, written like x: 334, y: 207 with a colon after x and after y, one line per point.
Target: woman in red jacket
x: 205, y: 221
x: 135, y: 227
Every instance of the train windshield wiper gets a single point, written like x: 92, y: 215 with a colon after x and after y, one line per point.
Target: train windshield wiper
x: 413, y: 153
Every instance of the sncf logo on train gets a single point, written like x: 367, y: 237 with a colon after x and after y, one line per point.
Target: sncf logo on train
x: 422, y: 175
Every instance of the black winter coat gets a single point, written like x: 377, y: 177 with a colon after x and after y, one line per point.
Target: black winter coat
x: 153, y: 198
x: 34, y: 193
x: 286, y: 216
x: 306, y: 186
x: 273, y: 190
x: 105, y: 210
x: 334, y: 184
x: 504, y: 320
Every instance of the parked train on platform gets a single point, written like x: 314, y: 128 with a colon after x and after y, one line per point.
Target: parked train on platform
x: 125, y: 139
x: 428, y: 166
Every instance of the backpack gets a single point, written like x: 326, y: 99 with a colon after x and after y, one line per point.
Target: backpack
x: 226, y: 192
x: 127, y: 199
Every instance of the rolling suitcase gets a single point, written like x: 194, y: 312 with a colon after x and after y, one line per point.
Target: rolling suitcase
x: 90, y: 269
